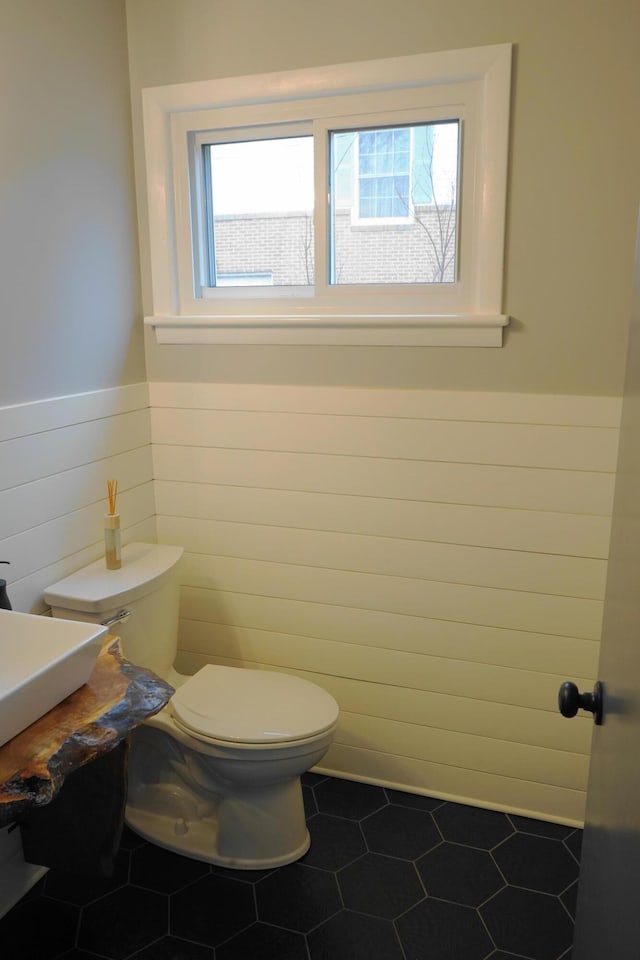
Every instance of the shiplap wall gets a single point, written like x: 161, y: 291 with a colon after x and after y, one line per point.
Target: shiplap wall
x: 55, y: 458
x: 435, y: 560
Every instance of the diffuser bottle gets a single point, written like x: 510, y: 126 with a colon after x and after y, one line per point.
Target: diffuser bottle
x: 112, y: 554
x: 112, y: 548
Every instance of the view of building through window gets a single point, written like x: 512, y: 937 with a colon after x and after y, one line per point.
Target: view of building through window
x: 394, y: 204
x: 393, y: 207
x: 384, y: 168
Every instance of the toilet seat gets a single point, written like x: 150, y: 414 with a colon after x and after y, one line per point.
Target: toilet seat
x: 234, y: 705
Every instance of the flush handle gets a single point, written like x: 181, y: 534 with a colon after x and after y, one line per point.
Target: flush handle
x: 570, y: 700
x: 120, y: 617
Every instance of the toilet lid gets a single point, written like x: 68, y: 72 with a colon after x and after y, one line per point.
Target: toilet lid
x: 252, y: 706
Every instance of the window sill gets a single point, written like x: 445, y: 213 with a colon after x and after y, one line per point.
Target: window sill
x: 453, y: 330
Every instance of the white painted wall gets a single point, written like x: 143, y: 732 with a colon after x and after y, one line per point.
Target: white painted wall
x: 69, y: 305
x: 435, y: 560
x: 55, y: 458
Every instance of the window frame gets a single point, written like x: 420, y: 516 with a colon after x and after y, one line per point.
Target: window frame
x: 471, y: 85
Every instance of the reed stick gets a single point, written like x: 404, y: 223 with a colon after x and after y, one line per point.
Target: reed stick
x: 112, y: 493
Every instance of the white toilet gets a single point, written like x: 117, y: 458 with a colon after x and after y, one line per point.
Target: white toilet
x: 216, y: 774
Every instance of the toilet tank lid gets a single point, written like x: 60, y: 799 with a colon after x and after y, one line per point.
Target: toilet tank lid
x: 94, y: 589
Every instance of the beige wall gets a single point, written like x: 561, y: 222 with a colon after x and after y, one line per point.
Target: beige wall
x: 69, y: 272
x: 574, y: 146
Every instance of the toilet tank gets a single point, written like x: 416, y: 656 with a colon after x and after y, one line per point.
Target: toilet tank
x: 146, y: 586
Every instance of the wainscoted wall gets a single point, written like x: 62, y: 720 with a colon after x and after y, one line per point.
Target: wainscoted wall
x: 435, y: 560
x: 55, y: 458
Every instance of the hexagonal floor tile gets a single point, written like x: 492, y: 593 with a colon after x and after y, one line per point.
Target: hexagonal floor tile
x: 158, y: 869
x: 367, y: 865
x: 309, y: 800
x: 499, y: 955
x: 335, y: 842
x: 312, y: 779
x: 80, y: 955
x: 356, y: 937
x: 347, y: 798
x: 540, y: 828
x: 265, y: 942
x: 573, y: 843
x: 130, y: 840
x: 297, y: 897
x: 536, y: 863
x: 123, y: 922
x: 460, y: 874
x: 39, y: 928
x: 171, y: 948
x: 400, y: 832
x: 73, y: 888
x: 528, y: 924
x: 435, y: 930
x: 570, y: 899
x: 472, y: 826
x: 211, y: 910
x: 247, y: 876
x: 416, y: 800
x: 380, y: 886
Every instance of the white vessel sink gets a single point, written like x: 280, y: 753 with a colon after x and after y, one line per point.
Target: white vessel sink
x: 42, y: 661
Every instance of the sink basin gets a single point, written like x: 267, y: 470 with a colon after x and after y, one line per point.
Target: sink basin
x: 42, y: 661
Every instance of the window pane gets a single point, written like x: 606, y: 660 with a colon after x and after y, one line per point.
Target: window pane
x: 260, y: 207
x: 394, y: 211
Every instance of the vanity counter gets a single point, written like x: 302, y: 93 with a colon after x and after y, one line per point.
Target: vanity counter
x: 86, y: 725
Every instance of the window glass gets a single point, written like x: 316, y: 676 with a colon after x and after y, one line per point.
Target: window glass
x: 383, y: 173
x: 259, y: 212
x: 394, y: 208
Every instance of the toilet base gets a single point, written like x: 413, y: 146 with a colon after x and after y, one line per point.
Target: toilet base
x: 260, y: 831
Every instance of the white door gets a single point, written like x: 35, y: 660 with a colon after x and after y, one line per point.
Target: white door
x: 608, y: 917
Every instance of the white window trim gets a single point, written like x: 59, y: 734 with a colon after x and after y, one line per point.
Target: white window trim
x: 480, y: 75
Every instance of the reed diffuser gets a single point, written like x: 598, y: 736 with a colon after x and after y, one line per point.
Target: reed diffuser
x: 112, y: 529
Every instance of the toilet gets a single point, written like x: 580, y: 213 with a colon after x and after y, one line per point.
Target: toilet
x: 216, y: 774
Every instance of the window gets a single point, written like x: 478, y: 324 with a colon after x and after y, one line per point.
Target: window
x: 384, y: 168
x: 258, y: 212
x: 362, y: 203
x: 394, y: 177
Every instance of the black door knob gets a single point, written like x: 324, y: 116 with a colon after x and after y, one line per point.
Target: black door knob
x: 570, y: 700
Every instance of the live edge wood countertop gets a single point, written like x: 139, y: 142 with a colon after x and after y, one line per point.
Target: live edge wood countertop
x: 89, y: 723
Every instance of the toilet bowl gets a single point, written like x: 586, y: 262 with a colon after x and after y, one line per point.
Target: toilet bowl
x: 216, y: 774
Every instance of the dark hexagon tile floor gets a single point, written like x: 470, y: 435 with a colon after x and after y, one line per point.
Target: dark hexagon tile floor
x: 536, y: 862
x: 439, y: 930
x: 460, y: 874
x: 380, y: 886
x: 389, y: 876
x: 212, y: 910
x: 123, y: 922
